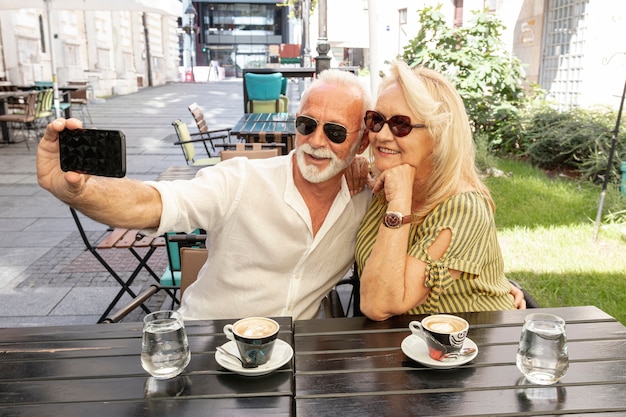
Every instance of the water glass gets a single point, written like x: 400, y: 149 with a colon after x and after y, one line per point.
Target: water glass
x: 542, y: 351
x: 164, y: 349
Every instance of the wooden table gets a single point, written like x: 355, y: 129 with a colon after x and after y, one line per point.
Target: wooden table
x: 96, y: 370
x: 267, y: 127
x: 355, y: 367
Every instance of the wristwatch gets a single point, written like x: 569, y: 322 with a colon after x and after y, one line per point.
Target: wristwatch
x: 395, y: 219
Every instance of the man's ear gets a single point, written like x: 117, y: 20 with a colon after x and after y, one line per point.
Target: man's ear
x: 365, y: 141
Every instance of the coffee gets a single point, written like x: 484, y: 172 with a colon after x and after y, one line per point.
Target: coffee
x: 255, y: 327
x: 447, y: 324
x: 255, y: 338
x: 444, y: 334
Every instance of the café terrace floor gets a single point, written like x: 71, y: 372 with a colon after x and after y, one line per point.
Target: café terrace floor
x: 46, y: 276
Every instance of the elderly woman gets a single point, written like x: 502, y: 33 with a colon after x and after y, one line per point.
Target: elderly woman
x: 428, y: 243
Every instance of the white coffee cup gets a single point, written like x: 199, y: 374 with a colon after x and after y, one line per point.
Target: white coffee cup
x: 443, y: 333
x: 255, y: 338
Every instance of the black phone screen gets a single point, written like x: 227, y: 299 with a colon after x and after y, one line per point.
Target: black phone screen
x: 93, y: 151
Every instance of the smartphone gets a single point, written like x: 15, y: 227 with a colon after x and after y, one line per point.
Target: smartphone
x: 93, y: 151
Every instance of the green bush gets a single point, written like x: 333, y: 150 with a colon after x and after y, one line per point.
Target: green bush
x: 476, y: 61
x: 576, y: 140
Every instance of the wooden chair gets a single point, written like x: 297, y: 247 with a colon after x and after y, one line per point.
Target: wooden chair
x: 256, y: 151
x: 24, y: 118
x: 187, y: 144
x: 174, y: 243
x: 79, y: 98
x: 192, y: 260
x: 210, y: 135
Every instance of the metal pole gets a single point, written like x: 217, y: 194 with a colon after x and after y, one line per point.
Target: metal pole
x: 305, y: 49
x: 373, y: 53
x: 147, y: 41
x: 322, y: 61
x: 55, y: 84
x: 609, y: 164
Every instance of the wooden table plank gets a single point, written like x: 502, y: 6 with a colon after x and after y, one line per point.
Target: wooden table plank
x: 158, y: 407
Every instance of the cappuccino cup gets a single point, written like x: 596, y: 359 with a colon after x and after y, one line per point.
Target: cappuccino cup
x: 255, y: 338
x: 443, y: 333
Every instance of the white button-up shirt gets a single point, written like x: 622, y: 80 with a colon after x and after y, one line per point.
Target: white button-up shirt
x: 263, y: 258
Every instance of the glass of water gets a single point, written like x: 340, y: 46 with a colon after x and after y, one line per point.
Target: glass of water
x: 164, y: 349
x: 542, y: 351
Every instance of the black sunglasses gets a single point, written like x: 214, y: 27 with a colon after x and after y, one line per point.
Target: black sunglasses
x: 399, y: 125
x: 306, y: 125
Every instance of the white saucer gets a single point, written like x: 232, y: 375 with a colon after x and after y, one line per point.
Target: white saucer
x: 281, y: 354
x: 415, y: 348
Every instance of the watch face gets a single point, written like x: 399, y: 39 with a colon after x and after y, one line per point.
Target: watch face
x: 392, y: 220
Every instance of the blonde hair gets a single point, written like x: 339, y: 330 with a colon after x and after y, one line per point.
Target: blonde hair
x: 435, y: 101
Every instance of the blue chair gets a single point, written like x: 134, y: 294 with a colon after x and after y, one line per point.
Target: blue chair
x: 265, y: 93
x: 174, y: 242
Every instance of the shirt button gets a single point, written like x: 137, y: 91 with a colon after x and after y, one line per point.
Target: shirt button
x: 298, y: 276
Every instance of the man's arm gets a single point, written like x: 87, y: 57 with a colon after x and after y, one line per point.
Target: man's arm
x: 118, y: 202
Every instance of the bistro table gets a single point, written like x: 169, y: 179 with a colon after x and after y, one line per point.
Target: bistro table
x: 95, y: 370
x: 355, y: 367
x: 267, y: 127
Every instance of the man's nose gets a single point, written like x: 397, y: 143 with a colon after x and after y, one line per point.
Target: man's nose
x: 318, y: 138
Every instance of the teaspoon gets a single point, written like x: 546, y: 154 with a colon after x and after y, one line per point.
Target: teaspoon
x: 227, y: 353
x: 463, y: 352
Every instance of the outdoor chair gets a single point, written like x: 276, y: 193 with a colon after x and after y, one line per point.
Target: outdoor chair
x: 210, y: 135
x: 174, y: 243
x: 252, y: 151
x: 265, y: 93
x: 187, y: 144
x: 192, y: 260
x: 332, y: 306
x: 44, y: 108
x: 79, y: 98
x: 24, y: 118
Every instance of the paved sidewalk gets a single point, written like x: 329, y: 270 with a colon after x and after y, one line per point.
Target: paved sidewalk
x: 46, y: 277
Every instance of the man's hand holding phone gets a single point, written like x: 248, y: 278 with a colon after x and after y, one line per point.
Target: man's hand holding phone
x: 67, y: 185
x: 93, y: 151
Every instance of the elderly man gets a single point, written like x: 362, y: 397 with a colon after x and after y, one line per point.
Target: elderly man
x: 281, y: 231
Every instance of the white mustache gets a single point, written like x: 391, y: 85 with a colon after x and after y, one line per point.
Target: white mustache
x: 318, y: 152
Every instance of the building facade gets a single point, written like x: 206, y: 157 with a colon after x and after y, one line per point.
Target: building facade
x: 236, y: 34
x: 116, y: 51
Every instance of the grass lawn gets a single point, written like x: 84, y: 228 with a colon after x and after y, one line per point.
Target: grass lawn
x: 546, y: 228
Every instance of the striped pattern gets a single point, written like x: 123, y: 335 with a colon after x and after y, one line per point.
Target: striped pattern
x: 474, y: 250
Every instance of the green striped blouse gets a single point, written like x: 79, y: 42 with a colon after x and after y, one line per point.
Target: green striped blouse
x: 474, y: 250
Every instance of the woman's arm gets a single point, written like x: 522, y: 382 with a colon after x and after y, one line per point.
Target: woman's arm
x: 392, y: 281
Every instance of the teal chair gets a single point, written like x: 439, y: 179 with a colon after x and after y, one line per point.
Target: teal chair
x: 265, y: 93
x: 171, y: 277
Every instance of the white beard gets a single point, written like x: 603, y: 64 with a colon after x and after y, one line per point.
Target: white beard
x: 312, y: 173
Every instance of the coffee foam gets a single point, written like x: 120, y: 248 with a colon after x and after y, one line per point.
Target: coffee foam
x: 255, y: 328
x: 444, y: 325
x: 441, y: 327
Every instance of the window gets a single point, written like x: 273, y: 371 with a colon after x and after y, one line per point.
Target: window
x: 402, y: 14
x: 42, y: 38
x: 563, y: 50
